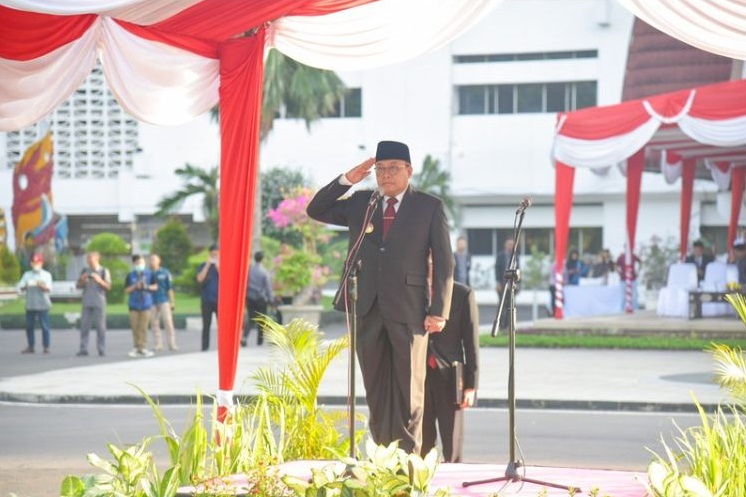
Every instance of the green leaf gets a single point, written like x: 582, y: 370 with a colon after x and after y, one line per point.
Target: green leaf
x: 72, y: 486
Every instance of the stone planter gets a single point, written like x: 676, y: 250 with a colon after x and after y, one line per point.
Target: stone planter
x: 310, y: 313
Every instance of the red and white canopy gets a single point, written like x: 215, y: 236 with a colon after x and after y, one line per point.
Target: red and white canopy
x: 678, y: 130
x: 167, y: 61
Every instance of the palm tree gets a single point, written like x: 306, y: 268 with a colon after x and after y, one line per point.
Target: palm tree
x: 196, y: 181
x: 304, y: 92
x: 432, y: 179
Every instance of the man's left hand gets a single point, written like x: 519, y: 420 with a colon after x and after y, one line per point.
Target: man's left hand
x: 434, y: 324
x: 469, y: 397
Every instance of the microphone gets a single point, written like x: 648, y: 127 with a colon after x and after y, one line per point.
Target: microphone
x: 375, y: 196
x: 525, y: 204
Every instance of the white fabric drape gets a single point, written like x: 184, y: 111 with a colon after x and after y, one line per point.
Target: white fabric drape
x: 605, y: 151
x: 161, y: 84
x: 721, y: 178
x: 671, y: 170
x: 29, y: 90
x: 716, y: 26
x: 376, y: 34
x: 143, y: 12
x: 155, y: 82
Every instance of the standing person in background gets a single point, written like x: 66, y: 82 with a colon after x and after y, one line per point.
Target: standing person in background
x: 452, y: 374
x: 207, y: 277
x: 634, y: 269
x: 164, y: 303
x: 574, y: 268
x: 502, y: 264
x: 258, y: 297
x: 95, y: 281
x: 138, y: 285
x: 462, y: 260
x: 396, y: 309
x: 37, y: 283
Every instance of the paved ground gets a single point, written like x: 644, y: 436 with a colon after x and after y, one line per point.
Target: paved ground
x: 586, y: 379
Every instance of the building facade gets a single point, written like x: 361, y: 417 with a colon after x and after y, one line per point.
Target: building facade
x: 484, y: 106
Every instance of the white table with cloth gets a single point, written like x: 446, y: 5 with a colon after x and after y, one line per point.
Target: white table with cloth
x: 593, y: 300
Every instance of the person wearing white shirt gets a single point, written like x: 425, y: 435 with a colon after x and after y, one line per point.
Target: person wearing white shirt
x: 36, y: 283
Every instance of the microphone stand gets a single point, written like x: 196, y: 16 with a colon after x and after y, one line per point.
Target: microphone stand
x: 512, y: 277
x: 349, y: 285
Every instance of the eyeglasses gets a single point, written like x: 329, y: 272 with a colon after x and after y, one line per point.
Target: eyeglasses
x: 391, y: 170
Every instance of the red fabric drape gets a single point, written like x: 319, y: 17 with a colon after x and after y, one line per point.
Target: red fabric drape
x: 635, y: 166
x: 563, y: 193
x: 687, y: 187
x: 28, y: 35
x: 736, y: 197
x: 241, y: 76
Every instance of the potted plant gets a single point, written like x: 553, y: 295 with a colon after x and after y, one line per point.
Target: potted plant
x: 657, y: 257
x: 299, y: 272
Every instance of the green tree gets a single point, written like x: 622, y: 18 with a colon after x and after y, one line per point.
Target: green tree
x: 432, y: 179
x: 10, y: 268
x: 304, y: 92
x: 197, y: 181
x: 173, y: 245
x: 112, y: 248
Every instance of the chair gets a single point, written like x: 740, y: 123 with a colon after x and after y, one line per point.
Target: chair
x: 673, y: 299
x: 715, y: 281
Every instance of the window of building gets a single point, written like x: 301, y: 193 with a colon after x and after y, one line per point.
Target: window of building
x: 473, y: 100
x: 518, y: 57
x: 526, y: 97
x: 350, y: 105
x: 716, y: 237
x: 587, y: 240
x: 93, y: 136
x: 480, y: 241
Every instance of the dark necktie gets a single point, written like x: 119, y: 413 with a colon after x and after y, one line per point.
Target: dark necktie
x: 389, y: 215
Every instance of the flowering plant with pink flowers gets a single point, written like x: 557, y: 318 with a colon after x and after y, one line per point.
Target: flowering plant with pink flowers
x: 300, y: 270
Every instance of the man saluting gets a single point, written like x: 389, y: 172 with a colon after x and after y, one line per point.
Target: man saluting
x: 395, y: 306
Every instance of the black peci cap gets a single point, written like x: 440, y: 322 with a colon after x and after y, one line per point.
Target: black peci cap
x: 389, y: 150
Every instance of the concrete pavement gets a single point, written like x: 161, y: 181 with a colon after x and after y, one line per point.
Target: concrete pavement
x: 545, y: 378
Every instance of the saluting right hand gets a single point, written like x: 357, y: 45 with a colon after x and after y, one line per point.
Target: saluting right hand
x: 361, y: 171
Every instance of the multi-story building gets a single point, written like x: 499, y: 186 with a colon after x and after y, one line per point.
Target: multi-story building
x: 484, y: 106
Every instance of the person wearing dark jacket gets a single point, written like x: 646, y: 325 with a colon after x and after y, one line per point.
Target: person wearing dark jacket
x: 452, y: 374
x: 395, y: 307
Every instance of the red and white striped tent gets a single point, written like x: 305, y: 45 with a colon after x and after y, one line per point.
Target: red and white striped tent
x: 168, y: 61
x: 702, y: 127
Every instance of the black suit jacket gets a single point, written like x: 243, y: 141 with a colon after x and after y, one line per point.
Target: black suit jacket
x: 706, y: 259
x: 459, y: 340
x: 394, y: 271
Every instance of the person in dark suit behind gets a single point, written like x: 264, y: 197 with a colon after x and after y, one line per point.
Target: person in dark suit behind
x: 699, y: 258
x: 462, y: 259
x: 394, y: 307
x: 458, y: 342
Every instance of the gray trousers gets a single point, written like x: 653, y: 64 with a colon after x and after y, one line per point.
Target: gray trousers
x: 392, y: 359
x: 93, y: 317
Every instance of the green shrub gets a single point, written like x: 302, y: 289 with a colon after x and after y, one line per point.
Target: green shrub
x: 10, y: 268
x: 710, y: 460
x: 173, y: 245
x: 187, y: 281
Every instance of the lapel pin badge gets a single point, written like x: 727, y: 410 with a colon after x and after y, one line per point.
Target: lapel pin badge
x: 369, y: 229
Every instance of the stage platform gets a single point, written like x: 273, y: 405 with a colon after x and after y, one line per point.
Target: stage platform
x: 452, y: 477
x: 640, y: 323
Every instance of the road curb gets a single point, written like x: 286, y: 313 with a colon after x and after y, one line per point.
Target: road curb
x: 533, y: 404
